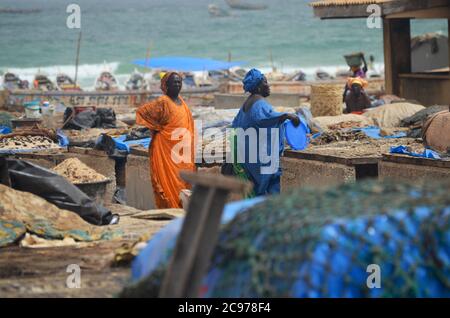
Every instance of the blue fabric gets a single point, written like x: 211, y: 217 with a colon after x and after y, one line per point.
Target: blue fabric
x: 427, y: 153
x: 160, y: 247
x: 185, y: 64
x: 374, y: 132
x: 252, y: 79
x: 297, y: 137
x: 260, y: 115
x: 5, y: 130
x: 121, y: 144
x: 63, y: 141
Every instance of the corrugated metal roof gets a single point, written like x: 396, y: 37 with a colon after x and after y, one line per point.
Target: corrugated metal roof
x: 327, y: 3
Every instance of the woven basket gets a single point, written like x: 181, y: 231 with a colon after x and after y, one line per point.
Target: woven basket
x: 326, y: 99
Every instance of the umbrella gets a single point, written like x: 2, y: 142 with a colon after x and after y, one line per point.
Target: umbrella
x: 185, y: 64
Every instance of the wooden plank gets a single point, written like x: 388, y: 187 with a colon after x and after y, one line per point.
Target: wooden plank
x: 199, y: 233
x: 349, y: 161
x: 388, y: 75
x: 399, y: 6
x: 397, y: 50
x: 403, y: 159
x: 181, y: 264
x: 433, y: 13
x: 424, y: 76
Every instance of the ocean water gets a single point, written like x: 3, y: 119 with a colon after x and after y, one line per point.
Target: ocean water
x: 116, y: 32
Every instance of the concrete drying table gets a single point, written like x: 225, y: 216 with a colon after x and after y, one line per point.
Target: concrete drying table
x: 94, y: 159
x: 408, y: 168
x: 137, y: 177
x: 302, y: 169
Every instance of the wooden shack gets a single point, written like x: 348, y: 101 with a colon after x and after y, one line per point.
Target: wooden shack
x: 429, y: 87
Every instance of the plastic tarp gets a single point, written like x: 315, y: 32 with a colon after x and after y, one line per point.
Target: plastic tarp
x: 5, y: 130
x: 125, y: 145
x: 121, y: 144
x: 160, y: 247
x: 185, y: 64
x: 427, y: 153
x: 29, y: 177
x: 374, y: 132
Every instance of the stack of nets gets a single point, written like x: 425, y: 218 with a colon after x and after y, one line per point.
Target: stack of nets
x: 326, y: 99
x: 320, y: 243
x: 5, y: 119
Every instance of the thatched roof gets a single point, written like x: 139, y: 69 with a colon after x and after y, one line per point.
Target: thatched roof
x: 343, y: 9
x: 326, y: 3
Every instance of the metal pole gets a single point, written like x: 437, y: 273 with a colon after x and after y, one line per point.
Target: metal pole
x: 77, y: 60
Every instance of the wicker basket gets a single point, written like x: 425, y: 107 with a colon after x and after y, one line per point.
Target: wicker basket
x: 326, y: 99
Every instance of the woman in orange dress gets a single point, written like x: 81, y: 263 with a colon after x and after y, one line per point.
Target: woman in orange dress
x: 172, y: 146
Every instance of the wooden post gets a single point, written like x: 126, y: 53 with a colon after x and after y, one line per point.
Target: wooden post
x: 77, y: 61
x: 196, y: 242
x: 397, y: 52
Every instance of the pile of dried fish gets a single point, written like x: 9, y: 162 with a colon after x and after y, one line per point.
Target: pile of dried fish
x: 339, y: 135
x: 27, y: 142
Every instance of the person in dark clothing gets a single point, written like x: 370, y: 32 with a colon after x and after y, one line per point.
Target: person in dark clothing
x: 356, y: 98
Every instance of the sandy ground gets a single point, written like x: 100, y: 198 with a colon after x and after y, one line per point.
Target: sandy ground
x: 42, y: 272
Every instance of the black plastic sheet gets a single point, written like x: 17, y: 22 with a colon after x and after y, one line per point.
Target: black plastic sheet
x: 29, y: 177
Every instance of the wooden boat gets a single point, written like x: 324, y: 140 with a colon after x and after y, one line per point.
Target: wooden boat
x: 106, y: 82
x: 43, y: 83
x: 216, y: 11
x: 65, y: 83
x: 11, y: 82
x: 136, y: 82
x: 241, y: 5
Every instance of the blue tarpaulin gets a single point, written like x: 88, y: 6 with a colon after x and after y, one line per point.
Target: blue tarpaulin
x: 374, y: 132
x: 5, y: 130
x: 427, y: 153
x: 185, y: 64
x: 121, y: 144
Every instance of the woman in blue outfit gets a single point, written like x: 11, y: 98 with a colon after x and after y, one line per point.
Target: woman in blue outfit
x: 258, y: 118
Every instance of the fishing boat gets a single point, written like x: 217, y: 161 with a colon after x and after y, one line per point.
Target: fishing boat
x: 136, y: 82
x: 43, y: 83
x: 322, y: 75
x: 12, y: 82
x: 65, y: 83
x: 106, y: 82
x: 242, y: 5
x: 216, y: 11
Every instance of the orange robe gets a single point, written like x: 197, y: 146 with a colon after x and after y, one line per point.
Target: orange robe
x: 167, y: 158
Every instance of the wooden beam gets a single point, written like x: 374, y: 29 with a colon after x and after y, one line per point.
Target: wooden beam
x: 397, y: 52
x: 198, y: 236
x: 433, y: 13
x: 448, y: 39
x: 399, y: 6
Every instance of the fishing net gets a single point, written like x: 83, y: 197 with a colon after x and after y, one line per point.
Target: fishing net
x: 320, y: 243
x: 5, y: 119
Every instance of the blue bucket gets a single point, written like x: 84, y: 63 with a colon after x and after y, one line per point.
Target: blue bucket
x: 297, y: 137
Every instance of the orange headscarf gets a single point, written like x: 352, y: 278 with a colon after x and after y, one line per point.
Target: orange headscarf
x: 165, y: 79
x: 356, y: 80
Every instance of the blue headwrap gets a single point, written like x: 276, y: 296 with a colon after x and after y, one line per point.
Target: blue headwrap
x: 252, y: 80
